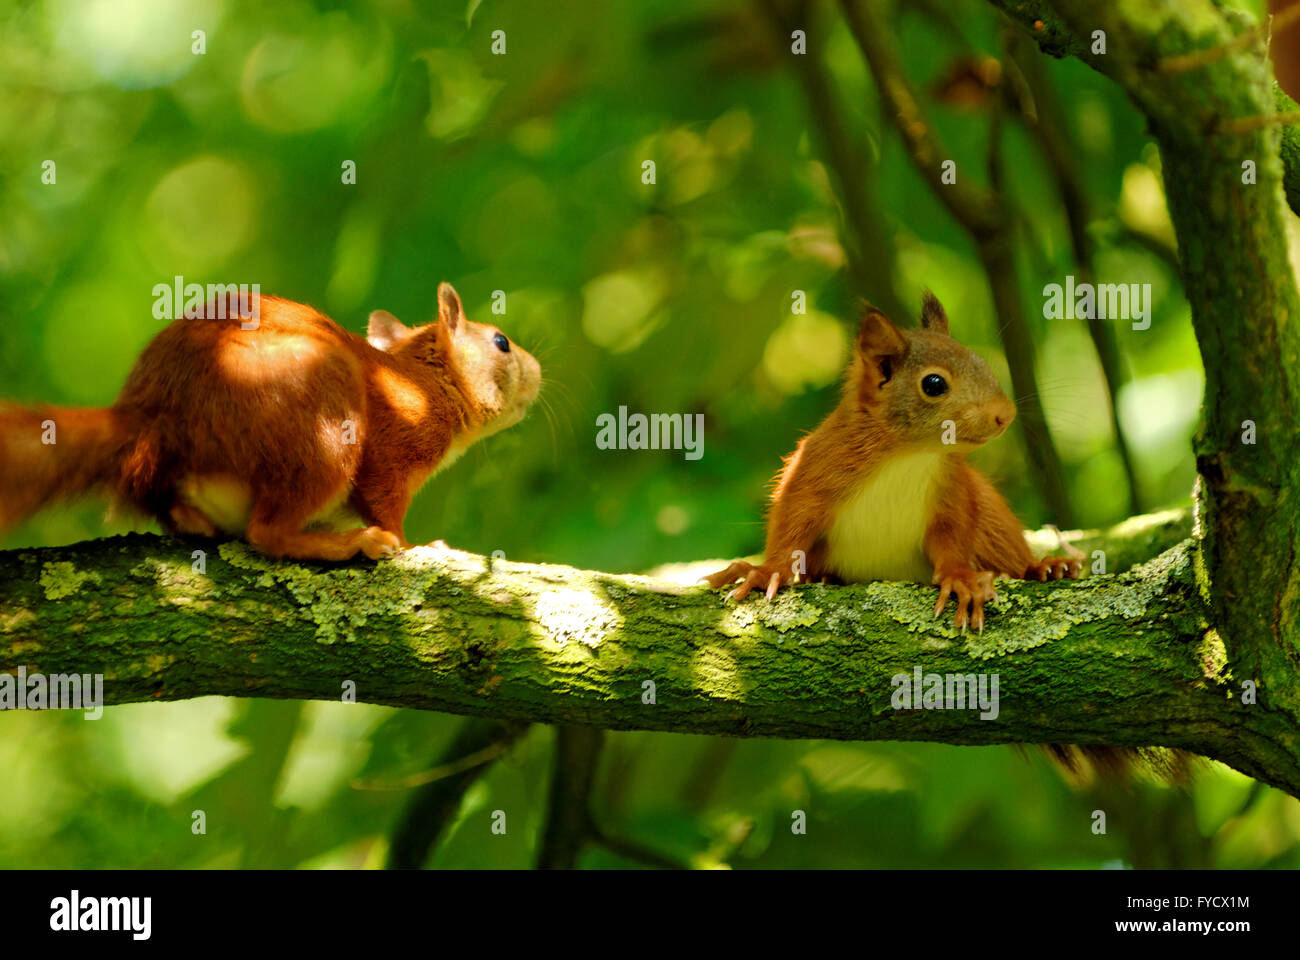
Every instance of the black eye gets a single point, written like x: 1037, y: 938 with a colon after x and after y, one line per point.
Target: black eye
x: 502, y: 342
x: 933, y: 385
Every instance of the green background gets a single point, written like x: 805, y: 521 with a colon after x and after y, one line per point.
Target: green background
x: 522, y: 173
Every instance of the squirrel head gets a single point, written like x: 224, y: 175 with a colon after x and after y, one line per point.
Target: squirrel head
x: 915, y: 381
x: 500, y: 378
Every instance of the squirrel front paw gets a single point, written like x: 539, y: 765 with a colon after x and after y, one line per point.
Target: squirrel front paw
x: 750, y: 576
x: 375, y: 542
x: 1054, y: 568
x: 974, y: 588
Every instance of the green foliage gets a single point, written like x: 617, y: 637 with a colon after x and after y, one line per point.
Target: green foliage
x: 522, y: 173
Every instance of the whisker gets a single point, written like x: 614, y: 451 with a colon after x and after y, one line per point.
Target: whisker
x: 550, y: 423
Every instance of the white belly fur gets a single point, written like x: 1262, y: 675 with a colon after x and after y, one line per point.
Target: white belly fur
x: 225, y: 501
x: 228, y: 503
x: 879, y: 531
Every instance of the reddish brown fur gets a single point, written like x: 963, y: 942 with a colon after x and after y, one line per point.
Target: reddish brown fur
x: 972, y: 535
x: 270, y: 408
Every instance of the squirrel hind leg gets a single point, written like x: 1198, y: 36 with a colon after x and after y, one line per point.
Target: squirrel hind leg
x: 280, y: 542
x: 734, y: 571
x: 765, y: 578
x: 186, y: 520
x: 277, y: 531
x: 1053, y: 568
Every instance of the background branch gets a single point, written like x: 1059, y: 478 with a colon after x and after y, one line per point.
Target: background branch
x: 868, y: 246
x: 569, y: 825
x: 1233, y: 253
x: 983, y: 214
x: 433, y: 805
x: 1046, y: 125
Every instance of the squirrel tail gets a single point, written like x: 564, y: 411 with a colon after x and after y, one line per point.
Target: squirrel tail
x: 48, y: 454
x: 1082, y: 764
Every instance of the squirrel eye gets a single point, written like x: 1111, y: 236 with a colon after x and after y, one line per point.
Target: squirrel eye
x: 933, y: 385
x: 502, y: 342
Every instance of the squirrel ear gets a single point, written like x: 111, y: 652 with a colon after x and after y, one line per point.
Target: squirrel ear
x: 879, y: 344
x: 878, y: 337
x: 933, y: 316
x: 449, y: 306
x: 385, y: 331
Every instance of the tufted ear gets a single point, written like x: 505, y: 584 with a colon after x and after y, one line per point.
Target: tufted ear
x: 449, y: 306
x: 881, y: 345
x: 933, y: 316
x: 385, y: 331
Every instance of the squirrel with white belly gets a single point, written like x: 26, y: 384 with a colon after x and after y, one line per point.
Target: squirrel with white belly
x: 881, y: 490
x: 277, y: 425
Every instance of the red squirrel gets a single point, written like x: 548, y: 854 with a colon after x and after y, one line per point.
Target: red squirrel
x: 881, y: 490
x: 304, y: 438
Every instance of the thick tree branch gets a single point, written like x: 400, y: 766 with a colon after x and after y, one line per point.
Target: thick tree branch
x: 1120, y: 659
x: 1201, y: 75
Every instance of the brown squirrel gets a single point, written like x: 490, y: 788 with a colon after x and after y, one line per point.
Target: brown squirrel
x: 881, y: 490
x: 277, y: 425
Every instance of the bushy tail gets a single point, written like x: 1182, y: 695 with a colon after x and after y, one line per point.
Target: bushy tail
x: 49, y: 454
x: 1083, y: 764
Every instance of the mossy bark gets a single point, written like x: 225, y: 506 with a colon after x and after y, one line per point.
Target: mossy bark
x: 1201, y: 76
x: 1123, y: 659
x: 1154, y: 656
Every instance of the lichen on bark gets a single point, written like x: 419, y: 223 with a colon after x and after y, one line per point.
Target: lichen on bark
x: 1119, y: 659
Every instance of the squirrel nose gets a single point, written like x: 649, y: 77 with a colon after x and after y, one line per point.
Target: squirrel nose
x: 1004, y: 413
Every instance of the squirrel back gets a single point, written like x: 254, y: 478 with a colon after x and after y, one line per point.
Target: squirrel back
x: 279, y: 425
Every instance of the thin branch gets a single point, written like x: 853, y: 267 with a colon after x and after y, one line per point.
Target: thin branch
x: 433, y: 806
x: 478, y: 758
x: 1126, y: 233
x: 569, y: 826
x: 985, y: 217
x: 1054, y: 142
x: 975, y: 209
x: 1247, y: 124
x: 868, y: 245
x: 636, y: 851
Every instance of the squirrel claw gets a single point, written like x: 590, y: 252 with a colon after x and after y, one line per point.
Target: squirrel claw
x: 723, y: 577
x: 377, y: 542
x: 1054, y: 568
x: 973, y: 589
x: 750, y: 577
